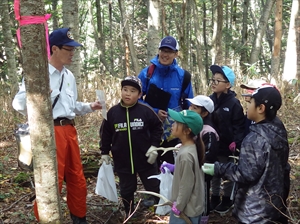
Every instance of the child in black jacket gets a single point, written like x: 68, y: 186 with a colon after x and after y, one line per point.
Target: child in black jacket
x: 131, y: 130
x: 230, y: 125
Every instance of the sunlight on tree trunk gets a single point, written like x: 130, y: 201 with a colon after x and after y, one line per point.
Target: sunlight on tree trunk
x: 40, y: 117
x: 291, y: 64
x: 154, y: 28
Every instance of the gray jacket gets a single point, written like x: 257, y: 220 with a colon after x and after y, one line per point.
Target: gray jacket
x: 262, y: 173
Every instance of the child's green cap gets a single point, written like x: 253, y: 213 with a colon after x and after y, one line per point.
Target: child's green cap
x: 192, y: 119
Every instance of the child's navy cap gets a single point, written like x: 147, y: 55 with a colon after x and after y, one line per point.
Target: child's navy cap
x: 224, y: 70
x: 169, y: 42
x: 63, y: 36
x: 268, y: 95
x: 132, y: 81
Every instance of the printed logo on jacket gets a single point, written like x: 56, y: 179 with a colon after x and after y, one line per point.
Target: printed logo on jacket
x: 136, y: 124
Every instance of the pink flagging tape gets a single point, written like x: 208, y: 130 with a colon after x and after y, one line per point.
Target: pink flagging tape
x: 27, y: 20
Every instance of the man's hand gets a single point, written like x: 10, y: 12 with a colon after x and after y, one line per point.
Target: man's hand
x: 170, y: 166
x: 208, y: 168
x: 162, y: 115
x: 106, y: 159
x: 232, y: 147
x: 175, y: 210
x: 96, y: 105
x: 151, y: 155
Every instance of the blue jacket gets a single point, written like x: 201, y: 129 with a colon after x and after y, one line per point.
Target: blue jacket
x: 169, y: 79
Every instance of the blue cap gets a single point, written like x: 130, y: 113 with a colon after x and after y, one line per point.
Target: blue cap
x: 169, y: 42
x: 63, y: 36
x: 226, y: 71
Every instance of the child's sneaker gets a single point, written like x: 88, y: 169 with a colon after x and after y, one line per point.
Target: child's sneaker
x: 224, y: 206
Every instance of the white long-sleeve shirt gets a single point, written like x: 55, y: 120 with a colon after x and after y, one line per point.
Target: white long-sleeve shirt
x: 67, y: 105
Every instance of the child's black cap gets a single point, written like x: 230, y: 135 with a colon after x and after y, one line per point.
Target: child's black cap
x: 267, y: 95
x: 132, y: 81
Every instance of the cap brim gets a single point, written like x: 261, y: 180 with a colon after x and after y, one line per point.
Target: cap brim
x: 217, y: 69
x: 247, y: 94
x: 244, y: 86
x: 167, y: 46
x: 193, y: 101
x: 73, y: 44
x: 175, y: 115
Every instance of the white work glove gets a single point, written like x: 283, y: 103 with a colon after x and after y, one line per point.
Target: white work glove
x: 208, y: 168
x: 106, y: 159
x: 152, y: 155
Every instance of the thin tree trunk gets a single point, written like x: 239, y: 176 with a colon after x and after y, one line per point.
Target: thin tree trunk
x: 200, y: 79
x: 9, y: 47
x: 154, y: 27
x: 260, y: 31
x: 40, y: 114
x: 219, y: 51
x: 71, y: 20
x: 275, y: 64
x: 54, y: 17
x: 244, y: 57
x: 128, y: 38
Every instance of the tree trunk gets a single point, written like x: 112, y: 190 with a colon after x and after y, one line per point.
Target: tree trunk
x: 54, y: 17
x: 200, y: 81
x: 291, y: 68
x: 218, y: 44
x: 40, y: 114
x: 128, y: 38
x: 244, y: 57
x: 9, y: 48
x: 275, y: 63
x: 154, y: 28
x: 71, y: 19
x: 260, y: 31
x: 99, y: 37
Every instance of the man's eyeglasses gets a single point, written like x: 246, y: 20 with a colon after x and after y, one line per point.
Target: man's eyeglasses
x: 167, y: 51
x: 69, y: 49
x: 216, y: 81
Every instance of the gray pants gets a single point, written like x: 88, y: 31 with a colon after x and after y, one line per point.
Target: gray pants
x: 216, y: 181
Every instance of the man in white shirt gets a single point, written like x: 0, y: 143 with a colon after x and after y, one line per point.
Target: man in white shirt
x: 62, y: 48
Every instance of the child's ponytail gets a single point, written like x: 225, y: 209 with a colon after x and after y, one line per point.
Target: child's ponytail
x: 200, y: 149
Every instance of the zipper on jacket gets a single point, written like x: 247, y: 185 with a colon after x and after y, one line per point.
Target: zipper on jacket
x: 129, y: 140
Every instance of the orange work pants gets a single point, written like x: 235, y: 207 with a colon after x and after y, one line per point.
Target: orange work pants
x: 70, y: 169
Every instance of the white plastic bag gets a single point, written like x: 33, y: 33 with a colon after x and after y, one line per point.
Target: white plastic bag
x: 106, y: 185
x: 101, y: 97
x: 165, y: 189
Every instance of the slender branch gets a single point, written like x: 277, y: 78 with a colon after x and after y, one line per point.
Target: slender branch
x: 4, y: 210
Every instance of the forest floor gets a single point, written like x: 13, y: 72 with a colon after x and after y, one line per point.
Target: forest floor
x: 16, y: 189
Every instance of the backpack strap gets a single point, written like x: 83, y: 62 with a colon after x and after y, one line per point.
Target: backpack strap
x: 186, y: 80
x: 149, y: 74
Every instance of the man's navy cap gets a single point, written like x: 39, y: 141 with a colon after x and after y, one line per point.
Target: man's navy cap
x: 63, y: 36
x: 169, y: 42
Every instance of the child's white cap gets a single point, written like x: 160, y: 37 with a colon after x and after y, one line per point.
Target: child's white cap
x: 203, y: 101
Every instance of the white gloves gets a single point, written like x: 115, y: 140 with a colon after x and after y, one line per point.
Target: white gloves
x: 208, y: 168
x: 152, y: 155
x: 106, y: 159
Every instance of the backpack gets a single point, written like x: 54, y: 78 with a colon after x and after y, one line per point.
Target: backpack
x: 186, y: 80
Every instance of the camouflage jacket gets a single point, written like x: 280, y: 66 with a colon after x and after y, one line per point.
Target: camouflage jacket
x: 262, y: 174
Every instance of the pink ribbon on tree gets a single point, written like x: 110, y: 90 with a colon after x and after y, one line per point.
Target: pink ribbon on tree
x: 27, y: 20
